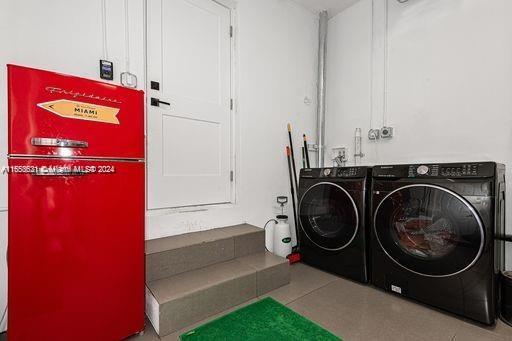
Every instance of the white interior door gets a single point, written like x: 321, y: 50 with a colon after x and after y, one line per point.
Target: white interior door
x: 190, y: 139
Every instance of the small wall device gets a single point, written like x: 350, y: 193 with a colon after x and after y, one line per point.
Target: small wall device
x: 106, y: 70
x: 386, y: 132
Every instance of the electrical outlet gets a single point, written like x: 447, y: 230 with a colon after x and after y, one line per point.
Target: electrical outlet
x: 386, y: 132
x: 373, y: 134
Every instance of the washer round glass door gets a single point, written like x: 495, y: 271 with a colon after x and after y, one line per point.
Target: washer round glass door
x: 429, y: 230
x: 328, y: 216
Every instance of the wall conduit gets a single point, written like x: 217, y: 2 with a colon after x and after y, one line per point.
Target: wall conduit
x: 322, y: 54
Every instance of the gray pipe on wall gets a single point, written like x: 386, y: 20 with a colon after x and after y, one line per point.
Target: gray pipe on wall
x: 322, y: 54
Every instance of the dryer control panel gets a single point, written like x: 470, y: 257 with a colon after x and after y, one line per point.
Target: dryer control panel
x: 344, y: 172
x: 442, y: 170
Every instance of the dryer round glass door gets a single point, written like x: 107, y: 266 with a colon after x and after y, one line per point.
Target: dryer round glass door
x: 328, y: 216
x: 429, y: 230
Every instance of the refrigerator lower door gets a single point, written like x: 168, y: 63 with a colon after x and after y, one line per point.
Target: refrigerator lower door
x: 76, y: 249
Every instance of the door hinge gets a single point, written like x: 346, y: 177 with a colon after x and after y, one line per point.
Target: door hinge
x: 231, y: 176
x: 231, y: 104
x: 231, y: 31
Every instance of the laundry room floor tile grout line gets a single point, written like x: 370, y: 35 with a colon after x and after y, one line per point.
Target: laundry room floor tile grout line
x: 311, y: 291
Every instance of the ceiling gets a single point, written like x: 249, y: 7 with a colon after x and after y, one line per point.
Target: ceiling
x: 332, y: 6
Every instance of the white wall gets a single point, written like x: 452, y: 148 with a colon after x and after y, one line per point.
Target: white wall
x: 276, y: 43
x: 348, y: 90
x: 449, y: 79
x: 6, y: 43
x: 6, y: 40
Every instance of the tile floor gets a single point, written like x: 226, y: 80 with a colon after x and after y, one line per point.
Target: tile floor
x: 359, y: 312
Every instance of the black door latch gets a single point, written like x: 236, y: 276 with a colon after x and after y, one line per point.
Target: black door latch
x: 156, y: 102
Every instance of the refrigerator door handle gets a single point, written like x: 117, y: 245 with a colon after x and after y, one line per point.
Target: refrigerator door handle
x: 56, y: 142
x: 58, y: 172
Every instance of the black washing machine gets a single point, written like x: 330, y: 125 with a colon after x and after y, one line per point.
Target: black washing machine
x: 332, y: 217
x: 433, y: 235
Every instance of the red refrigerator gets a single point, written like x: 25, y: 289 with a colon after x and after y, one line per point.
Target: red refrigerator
x: 76, y: 208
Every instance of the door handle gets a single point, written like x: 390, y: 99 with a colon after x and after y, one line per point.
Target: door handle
x: 156, y: 102
x: 53, y: 142
x: 58, y: 172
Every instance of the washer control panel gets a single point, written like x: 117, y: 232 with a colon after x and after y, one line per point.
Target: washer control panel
x: 460, y: 170
x: 423, y: 170
x: 447, y: 170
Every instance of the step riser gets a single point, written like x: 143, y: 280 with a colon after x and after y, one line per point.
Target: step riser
x: 173, y: 262
x: 272, y: 278
x: 201, y: 249
x: 185, y: 311
x: 249, y: 244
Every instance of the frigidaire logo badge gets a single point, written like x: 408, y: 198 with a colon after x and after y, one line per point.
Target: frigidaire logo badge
x: 75, y: 94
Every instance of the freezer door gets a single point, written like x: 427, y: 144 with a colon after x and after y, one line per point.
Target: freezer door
x: 76, y: 250
x: 58, y: 115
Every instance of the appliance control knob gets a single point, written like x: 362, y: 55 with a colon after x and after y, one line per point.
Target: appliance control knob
x: 327, y: 171
x: 422, y: 170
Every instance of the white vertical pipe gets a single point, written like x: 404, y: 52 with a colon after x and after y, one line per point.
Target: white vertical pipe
x: 322, y: 54
x: 379, y: 64
x: 358, y: 154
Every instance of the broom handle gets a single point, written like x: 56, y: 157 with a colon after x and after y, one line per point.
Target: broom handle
x: 288, y: 152
x: 293, y: 156
x: 303, y: 158
x: 306, y: 151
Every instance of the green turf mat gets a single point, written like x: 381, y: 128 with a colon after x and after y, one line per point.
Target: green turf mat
x: 262, y: 320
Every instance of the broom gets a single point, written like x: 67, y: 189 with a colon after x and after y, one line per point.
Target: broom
x: 295, y: 256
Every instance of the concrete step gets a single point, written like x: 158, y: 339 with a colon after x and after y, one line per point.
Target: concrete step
x: 179, y: 301
x: 272, y: 271
x: 166, y: 257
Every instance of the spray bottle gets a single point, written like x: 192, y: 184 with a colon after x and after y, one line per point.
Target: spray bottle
x: 281, y: 236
